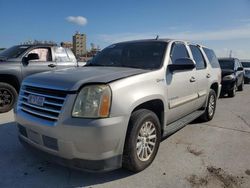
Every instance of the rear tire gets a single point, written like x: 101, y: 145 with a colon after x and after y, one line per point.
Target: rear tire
x: 142, y: 140
x: 210, y: 108
x: 8, y: 97
x: 232, y: 93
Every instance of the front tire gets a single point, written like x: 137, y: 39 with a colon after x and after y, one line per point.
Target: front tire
x: 211, y: 106
x: 8, y: 97
x: 142, y: 140
x: 232, y: 93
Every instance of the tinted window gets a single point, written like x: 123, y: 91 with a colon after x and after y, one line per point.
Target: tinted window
x: 246, y: 64
x: 198, y: 57
x: 14, y: 51
x: 212, y: 58
x: 142, y: 55
x: 178, y: 51
x: 226, y: 64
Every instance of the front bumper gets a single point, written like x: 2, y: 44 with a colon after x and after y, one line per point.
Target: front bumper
x: 86, y: 144
x: 227, y: 86
x: 80, y: 164
x: 247, y: 78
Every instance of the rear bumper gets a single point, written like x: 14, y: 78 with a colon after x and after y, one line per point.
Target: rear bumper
x: 247, y: 78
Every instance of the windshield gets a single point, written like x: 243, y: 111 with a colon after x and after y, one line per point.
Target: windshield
x: 246, y: 64
x: 13, y: 52
x: 226, y: 64
x: 142, y: 55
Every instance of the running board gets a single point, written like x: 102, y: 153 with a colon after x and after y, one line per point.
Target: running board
x: 175, y: 126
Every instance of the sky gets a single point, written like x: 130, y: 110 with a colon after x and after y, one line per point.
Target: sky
x: 222, y: 25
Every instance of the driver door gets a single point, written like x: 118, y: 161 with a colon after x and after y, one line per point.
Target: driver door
x: 42, y: 64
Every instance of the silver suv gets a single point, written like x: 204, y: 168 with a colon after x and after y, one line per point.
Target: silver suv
x: 115, y: 111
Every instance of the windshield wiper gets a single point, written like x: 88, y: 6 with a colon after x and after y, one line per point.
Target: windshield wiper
x: 97, y: 65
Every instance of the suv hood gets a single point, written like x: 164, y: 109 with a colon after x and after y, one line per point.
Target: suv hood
x: 226, y: 72
x: 73, y: 78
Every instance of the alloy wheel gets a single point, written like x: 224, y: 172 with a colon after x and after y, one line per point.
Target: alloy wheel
x: 146, y: 141
x: 6, y: 97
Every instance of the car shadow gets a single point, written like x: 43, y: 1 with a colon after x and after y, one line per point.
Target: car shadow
x: 20, y: 166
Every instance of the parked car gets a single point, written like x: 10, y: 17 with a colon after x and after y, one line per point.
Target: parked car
x: 232, y: 76
x: 246, y: 66
x: 20, y: 61
x: 115, y: 111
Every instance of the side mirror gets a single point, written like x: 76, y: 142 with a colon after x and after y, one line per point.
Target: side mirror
x: 33, y: 56
x: 182, y: 64
x: 240, y: 69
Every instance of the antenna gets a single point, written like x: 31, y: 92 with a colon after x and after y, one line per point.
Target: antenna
x: 157, y: 37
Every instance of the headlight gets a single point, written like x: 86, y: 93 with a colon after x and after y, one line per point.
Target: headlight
x: 229, y: 77
x: 93, y: 101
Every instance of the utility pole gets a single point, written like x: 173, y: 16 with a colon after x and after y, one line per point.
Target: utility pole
x: 230, y: 53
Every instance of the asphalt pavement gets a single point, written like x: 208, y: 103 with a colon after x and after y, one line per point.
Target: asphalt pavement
x: 212, y: 154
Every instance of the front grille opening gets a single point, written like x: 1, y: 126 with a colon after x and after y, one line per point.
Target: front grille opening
x: 57, y: 93
x: 52, y: 105
x: 50, y: 142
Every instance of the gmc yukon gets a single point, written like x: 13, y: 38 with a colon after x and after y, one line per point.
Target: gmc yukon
x: 115, y: 111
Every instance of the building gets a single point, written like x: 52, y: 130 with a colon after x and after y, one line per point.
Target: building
x: 67, y: 45
x: 79, y: 44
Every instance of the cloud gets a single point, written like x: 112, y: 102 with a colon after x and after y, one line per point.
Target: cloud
x: 78, y: 20
x: 242, y: 32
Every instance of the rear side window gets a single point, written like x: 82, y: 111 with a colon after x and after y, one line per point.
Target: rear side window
x: 212, y: 58
x: 70, y: 55
x: 61, y: 55
x: 198, y: 57
x: 178, y: 51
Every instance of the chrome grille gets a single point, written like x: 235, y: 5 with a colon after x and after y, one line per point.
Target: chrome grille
x: 52, y: 105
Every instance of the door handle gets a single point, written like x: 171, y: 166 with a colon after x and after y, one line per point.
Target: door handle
x: 192, y: 79
x: 52, y: 65
x: 208, y: 75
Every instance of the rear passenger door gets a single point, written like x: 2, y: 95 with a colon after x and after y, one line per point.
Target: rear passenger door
x: 202, y: 74
x: 181, y: 86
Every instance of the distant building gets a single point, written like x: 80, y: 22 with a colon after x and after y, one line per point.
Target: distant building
x: 79, y: 44
x: 67, y: 45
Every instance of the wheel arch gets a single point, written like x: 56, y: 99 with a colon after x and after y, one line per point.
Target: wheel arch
x: 155, y: 105
x: 10, y: 79
x: 215, y: 87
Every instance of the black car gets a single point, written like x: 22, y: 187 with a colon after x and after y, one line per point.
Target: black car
x: 232, y: 76
x: 246, y: 65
